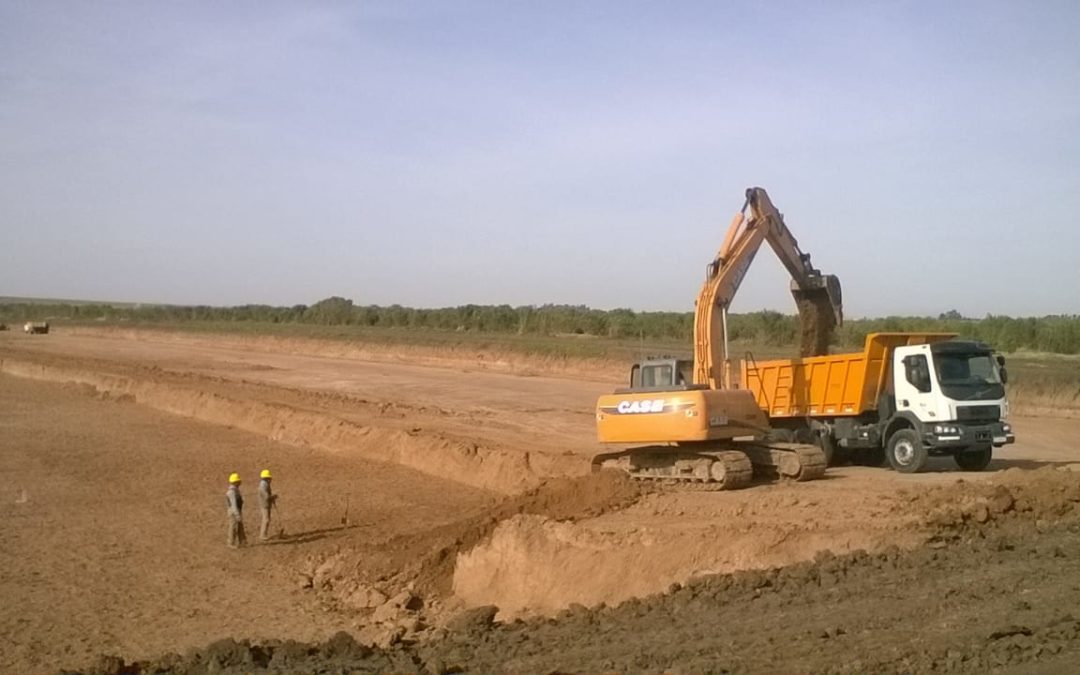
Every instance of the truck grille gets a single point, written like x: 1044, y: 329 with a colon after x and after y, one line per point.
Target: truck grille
x: 970, y: 413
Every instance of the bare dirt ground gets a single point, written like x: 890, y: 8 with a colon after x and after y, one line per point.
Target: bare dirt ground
x: 465, y: 487
x: 995, y: 590
x: 114, y: 534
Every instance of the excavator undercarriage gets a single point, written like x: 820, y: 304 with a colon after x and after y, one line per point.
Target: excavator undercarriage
x: 726, y: 466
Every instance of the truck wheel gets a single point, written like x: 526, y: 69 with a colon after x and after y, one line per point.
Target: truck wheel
x: 974, y: 459
x: 906, y: 452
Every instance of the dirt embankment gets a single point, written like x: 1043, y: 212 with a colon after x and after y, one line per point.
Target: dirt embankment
x: 287, y: 416
x: 402, y: 588
x: 995, y: 588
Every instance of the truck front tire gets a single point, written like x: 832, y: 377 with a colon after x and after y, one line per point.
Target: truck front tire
x: 974, y: 459
x: 906, y: 452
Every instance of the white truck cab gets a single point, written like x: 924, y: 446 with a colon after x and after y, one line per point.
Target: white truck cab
x: 947, y: 398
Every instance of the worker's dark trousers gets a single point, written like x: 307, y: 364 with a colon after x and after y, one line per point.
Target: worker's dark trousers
x: 236, y: 532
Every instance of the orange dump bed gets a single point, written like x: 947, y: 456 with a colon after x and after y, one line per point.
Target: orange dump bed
x: 828, y: 386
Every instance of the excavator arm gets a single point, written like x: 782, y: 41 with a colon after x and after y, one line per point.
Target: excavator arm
x: 817, y: 296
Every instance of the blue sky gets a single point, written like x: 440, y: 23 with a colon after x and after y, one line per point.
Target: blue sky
x: 444, y: 153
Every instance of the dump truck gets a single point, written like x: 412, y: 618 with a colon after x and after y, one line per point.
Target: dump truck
x: 685, y: 420
x: 36, y: 327
x: 904, y: 398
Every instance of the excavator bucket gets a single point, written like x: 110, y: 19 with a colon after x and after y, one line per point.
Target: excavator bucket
x: 821, y: 310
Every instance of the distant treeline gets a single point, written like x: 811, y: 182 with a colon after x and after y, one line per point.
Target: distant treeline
x: 1055, y: 334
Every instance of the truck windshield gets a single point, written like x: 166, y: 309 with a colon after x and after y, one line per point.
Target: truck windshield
x: 968, y: 377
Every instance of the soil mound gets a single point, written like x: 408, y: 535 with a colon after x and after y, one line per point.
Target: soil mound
x: 341, y: 653
x: 560, y: 499
x: 531, y: 565
x: 1040, y: 496
x: 1000, y: 601
x: 422, y: 565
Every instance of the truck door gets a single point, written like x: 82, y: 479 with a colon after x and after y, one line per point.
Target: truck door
x: 914, y: 380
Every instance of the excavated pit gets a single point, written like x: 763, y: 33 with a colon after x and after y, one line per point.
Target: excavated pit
x: 993, y: 589
x: 536, y: 565
x: 592, y: 540
x: 503, y: 470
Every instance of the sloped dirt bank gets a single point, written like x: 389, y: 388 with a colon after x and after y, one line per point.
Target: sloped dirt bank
x: 402, y: 588
x: 995, y: 588
x: 535, y: 565
x: 466, y: 461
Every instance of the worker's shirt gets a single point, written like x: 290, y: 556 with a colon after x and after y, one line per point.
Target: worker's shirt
x: 266, y: 495
x: 234, y: 502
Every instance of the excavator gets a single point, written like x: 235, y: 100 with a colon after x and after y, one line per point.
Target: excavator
x: 698, y: 428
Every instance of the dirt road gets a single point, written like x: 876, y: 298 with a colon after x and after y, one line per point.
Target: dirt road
x: 425, y: 456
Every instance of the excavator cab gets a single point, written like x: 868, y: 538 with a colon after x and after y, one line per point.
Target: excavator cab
x: 662, y: 374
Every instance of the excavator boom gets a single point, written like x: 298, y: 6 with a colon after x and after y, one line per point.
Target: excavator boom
x: 817, y: 295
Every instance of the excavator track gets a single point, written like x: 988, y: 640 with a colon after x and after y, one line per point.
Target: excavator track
x: 786, y: 461
x: 706, y: 470
x: 719, y: 469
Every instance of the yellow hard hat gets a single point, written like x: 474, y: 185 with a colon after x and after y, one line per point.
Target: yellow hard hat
x: 234, y: 478
x: 265, y: 474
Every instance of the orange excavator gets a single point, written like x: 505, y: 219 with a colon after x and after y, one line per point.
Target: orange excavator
x: 687, y: 420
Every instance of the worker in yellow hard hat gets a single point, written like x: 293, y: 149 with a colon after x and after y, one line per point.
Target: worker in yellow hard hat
x: 234, y: 506
x: 267, y: 498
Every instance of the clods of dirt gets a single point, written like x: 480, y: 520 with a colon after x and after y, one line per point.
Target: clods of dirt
x: 1000, y: 597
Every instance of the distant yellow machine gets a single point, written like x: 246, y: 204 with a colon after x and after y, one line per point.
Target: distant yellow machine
x: 697, y: 426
